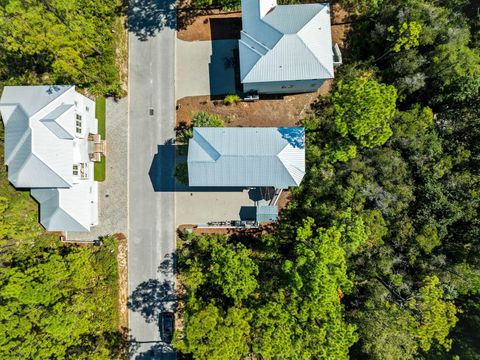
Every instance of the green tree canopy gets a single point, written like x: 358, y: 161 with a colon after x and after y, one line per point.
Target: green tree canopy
x: 364, y: 110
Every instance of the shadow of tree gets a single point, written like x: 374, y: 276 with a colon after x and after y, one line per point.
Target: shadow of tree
x: 168, y: 265
x: 294, y: 135
x: 147, y: 17
x: 156, y: 351
x: 152, y: 297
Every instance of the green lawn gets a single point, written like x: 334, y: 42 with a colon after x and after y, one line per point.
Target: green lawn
x: 100, y: 113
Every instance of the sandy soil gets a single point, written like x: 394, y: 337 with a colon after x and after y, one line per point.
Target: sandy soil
x: 121, y: 51
x: 340, y: 26
x: 122, y: 257
x: 215, y: 25
x: 275, y: 112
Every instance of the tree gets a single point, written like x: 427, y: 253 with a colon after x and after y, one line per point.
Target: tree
x: 233, y: 270
x: 212, y: 334
x: 364, y: 110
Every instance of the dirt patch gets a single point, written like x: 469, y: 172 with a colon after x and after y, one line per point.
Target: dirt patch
x: 121, y: 51
x: 122, y: 256
x: 216, y: 25
x: 196, y: 25
x: 340, y: 25
x: 274, y: 111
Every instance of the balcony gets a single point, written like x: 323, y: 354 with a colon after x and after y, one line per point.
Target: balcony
x: 96, y: 147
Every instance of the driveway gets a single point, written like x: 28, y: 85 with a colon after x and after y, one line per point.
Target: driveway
x: 201, y: 207
x: 205, y: 68
x: 151, y: 205
x: 112, y: 193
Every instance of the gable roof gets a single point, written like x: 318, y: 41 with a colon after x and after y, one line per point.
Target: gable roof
x: 38, y: 135
x: 285, y: 43
x: 246, y: 157
x: 66, y: 209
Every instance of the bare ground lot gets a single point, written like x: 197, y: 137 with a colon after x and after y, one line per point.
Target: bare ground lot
x: 277, y: 112
x: 215, y: 25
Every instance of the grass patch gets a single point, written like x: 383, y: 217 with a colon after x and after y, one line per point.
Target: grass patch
x: 100, y: 168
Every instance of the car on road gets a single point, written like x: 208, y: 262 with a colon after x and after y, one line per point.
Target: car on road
x: 166, y: 323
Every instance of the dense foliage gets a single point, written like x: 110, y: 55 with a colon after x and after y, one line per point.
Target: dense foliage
x: 59, y: 41
x: 377, y: 254
x: 56, y: 301
x: 231, y: 4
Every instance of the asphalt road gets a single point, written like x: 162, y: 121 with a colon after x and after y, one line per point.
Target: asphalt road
x: 151, y: 198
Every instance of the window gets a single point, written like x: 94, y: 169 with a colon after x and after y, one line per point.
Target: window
x: 87, y: 108
x: 76, y: 104
x: 75, y: 170
x: 78, y: 126
x: 78, y: 116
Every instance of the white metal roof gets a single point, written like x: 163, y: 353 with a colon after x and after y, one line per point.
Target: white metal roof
x: 67, y: 209
x: 244, y: 157
x: 39, y: 129
x: 285, y: 42
x: 41, y: 147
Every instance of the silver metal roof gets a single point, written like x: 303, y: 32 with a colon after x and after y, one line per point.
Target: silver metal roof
x: 285, y: 42
x: 245, y: 157
x: 67, y: 209
x: 38, y: 146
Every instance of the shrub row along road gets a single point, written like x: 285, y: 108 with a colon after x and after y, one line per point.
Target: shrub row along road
x: 151, y: 184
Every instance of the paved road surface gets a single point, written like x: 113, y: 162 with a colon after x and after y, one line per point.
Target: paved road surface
x: 151, y: 158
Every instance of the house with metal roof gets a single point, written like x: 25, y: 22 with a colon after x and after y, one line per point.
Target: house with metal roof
x: 285, y: 48
x: 50, y: 133
x: 246, y: 157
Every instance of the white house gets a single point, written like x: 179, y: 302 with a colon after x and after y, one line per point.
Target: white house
x: 50, y: 137
x: 285, y: 48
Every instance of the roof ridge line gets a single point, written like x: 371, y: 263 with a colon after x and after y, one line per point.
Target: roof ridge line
x: 51, y: 101
x: 311, y: 52
x: 68, y: 213
x: 284, y: 162
x: 19, y: 144
x: 308, y: 48
x: 208, y: 144
x: 57, y: 174
x: 65, y: 212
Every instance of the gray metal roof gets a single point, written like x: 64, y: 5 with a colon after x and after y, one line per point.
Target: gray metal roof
x: 267, y: 213
x: 285, y: 42
x: 246, y: 157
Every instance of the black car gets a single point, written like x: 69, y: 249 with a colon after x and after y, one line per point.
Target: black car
x: 166, y: 323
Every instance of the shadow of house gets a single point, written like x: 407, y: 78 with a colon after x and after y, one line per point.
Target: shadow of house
x: 225, y: 28
x: 222, y: 67
x: 162, y: 168
x: 248, y: 213
x: 147, y: 17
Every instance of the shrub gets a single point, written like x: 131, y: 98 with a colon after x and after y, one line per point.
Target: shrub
x: 181, y: 173
x: 230, y: 99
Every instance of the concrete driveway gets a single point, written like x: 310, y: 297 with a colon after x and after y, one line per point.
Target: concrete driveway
x: 200, y: 207
x: 205, y: 68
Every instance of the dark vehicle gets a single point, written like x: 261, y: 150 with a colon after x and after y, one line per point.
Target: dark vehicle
x: 167, y: 320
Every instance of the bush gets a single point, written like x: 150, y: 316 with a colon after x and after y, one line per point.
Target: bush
x: 181, y: 173
x: 230, y: 99
x: 205, y: 119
